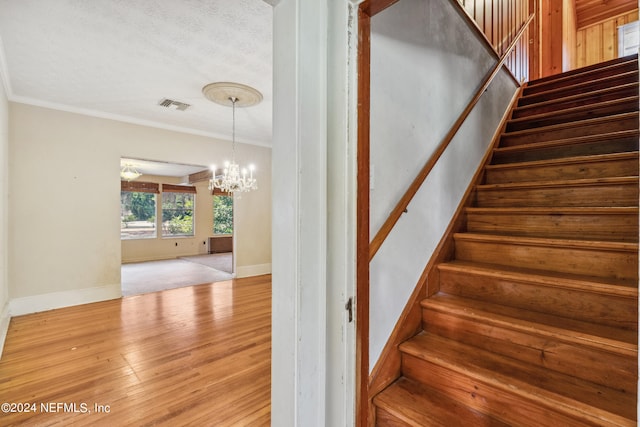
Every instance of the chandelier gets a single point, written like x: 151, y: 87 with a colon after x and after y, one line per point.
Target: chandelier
x: 233, y: 178
x: 129, y: 173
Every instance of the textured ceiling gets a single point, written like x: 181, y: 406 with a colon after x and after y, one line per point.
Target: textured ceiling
x: 120, y: 58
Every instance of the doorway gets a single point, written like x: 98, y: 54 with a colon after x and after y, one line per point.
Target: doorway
x: 168, y: 231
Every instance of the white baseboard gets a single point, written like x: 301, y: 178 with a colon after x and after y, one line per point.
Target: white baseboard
x: 4, y: 325
x: 53, y: 300
x: 252, y: 270
x: 161, y: 258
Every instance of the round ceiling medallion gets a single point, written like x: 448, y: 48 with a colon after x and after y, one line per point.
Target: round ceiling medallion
x: 223, y: 92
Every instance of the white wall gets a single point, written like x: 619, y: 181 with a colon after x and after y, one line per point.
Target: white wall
x: 4, y: 216
x: 426, y: 65
x: 64, y: 241
x: 313, y: 214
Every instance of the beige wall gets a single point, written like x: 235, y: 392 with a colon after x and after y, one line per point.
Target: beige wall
x: 65, y: 197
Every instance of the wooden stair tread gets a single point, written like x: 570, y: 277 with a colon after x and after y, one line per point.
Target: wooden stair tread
x: 578, y: 87
x: 601, y: 75
x: 548, y: 388
x: 630, y: 100
x: 416, y: 405
x: 625, y: 288
x: 565, y: 141
x: 572, y: 124
x: 540, y: 324
x: 549, y: 242
x: 560, y: 183
x: 625, y: 60
x: 592, y: 158
x: 586, y: 94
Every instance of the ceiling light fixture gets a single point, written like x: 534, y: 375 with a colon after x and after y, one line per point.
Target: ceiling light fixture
x: 129, y: 173
x: 233, y: 179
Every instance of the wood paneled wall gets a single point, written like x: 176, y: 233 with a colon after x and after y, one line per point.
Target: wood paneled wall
x: 500, y: 21
x: 569, y: 34
x: 599, y: 42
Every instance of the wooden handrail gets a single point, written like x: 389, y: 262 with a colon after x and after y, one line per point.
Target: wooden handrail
x: 403, y: 203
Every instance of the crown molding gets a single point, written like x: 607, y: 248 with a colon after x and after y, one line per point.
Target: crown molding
x: 128, y: 119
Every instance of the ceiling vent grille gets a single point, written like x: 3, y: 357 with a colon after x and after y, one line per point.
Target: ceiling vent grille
x: 174, y: 105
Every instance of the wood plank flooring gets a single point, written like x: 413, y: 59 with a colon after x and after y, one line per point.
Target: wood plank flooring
x: 199, y: 355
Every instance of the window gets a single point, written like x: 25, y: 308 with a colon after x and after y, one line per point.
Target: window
x: 178, y: 203
x: 138, y: 210
x: 222, y: 214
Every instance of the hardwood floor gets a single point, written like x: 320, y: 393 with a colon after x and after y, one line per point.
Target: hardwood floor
x: 191, y: 356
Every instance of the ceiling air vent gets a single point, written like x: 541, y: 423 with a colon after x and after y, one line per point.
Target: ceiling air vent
x: 174, y: 105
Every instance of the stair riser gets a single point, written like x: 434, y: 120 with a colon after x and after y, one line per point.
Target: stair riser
x: 618, y: 227
x: 591, y: 261
x: 573, y: 130
x: 549, y: 172
x: 607, y: 369
x: 570, y: 150
x: 483, y: 397
x: 610, y: 310
x: 612, y: 195
x: 548, y: 95
x: 581, y: 78
x: 589, y: 98
x: 597, y: 110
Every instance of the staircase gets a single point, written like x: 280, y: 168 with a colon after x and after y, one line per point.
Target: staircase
x: 535, y: 322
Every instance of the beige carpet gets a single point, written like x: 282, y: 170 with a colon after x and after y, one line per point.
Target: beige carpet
x: 153, y: 276
x: 222, y: 262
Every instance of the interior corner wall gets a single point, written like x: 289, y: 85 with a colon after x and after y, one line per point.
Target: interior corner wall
x: 64, y: 240
x: 426, y: 65
x: 4, y: 215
